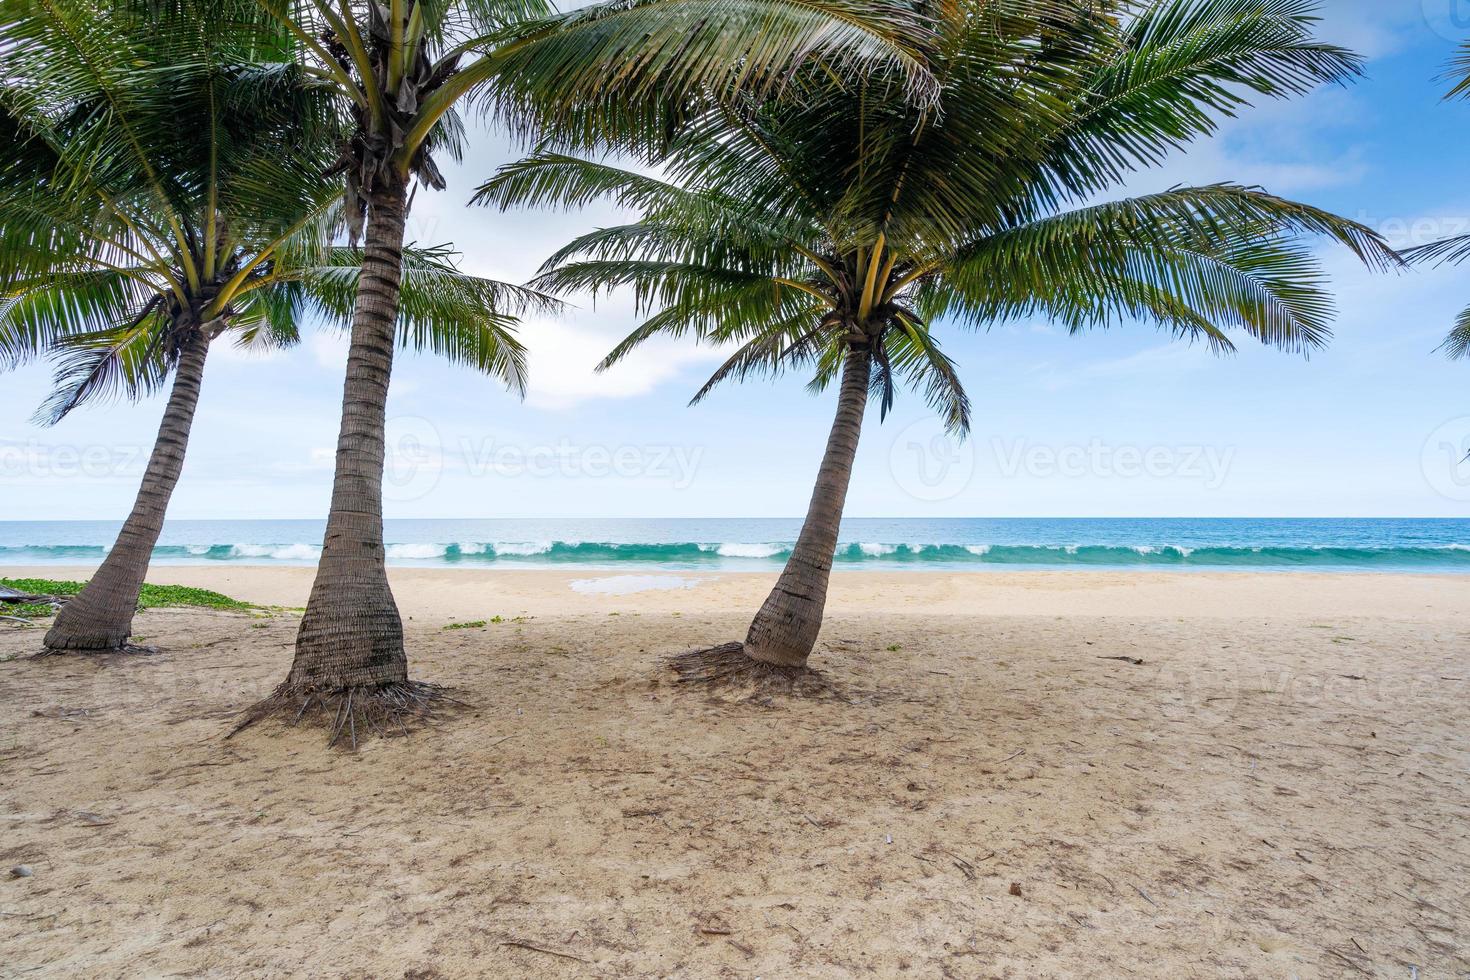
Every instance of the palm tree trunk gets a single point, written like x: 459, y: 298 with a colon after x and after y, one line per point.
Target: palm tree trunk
x: 351, y: 635
x: 350, y: 666
x: 101, y: 616
x: 785, y: 629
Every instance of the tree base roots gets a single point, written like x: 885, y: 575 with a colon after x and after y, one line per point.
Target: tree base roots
x: 728, y: 665
x: 134, y: 649
x: 352, y: 713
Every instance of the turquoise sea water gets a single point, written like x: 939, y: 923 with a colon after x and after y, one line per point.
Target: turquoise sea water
x: 960, y: 544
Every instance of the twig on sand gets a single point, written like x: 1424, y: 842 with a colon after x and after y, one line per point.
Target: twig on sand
x: 9, y: 595
x: 521, y: 944
x: 1135, y: 661
x: 1013, y: 755
x: 642, y: 813
x: 1350, y: 962
x: 1145, y: 896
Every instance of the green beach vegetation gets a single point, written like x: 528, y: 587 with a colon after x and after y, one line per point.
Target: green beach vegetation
x: 150, y: 596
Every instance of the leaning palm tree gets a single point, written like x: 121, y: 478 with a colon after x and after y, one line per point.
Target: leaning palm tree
x: 834, y: 229
x: 162, y: 190
x: 611, y: 69
x: 1452, y: 251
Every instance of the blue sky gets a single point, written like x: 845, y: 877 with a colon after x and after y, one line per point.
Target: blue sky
x: 1117, y: 423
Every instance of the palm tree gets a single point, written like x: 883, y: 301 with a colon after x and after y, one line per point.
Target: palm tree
x: 1452, y: 251
x: 160, y: 191
x: 834, y: 229
x: 609, y: 70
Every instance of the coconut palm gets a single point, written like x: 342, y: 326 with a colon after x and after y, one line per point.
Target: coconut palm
x: 162, y: 190
x: 611, y: 69
x: 835, y: 229
x: 1452, y: 251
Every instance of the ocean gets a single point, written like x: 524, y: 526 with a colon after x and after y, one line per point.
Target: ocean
x: 959, y: 544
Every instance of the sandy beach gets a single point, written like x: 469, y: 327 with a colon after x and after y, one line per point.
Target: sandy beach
x: 1278, y: 789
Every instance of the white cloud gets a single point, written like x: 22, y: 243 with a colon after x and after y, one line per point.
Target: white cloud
x: 563, y: 356
x: 1166, y: 359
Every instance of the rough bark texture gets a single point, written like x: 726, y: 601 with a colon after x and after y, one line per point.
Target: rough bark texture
x: 785, y: 630
x: 101, y: 616
x: 350, y: 665
x: 351, y: 634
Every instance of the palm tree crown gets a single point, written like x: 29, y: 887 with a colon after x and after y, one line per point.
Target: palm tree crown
x: 161, y: 184
x: 849, y: 215
x: 615, y: 67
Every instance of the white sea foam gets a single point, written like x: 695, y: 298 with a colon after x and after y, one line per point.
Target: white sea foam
x: 413, y: 551
x: 521, y: 547
x: 978, y: 549
x: 738, y: 550
x: 877, y: 550
x: 277, y: 552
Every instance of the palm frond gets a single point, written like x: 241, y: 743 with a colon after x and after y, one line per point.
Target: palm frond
x: 914, y: 353
x: 128, y: 361
x: 1221, y: 255
x: 624, y: 70
x: 1447, y: 251
x: 465, y: 319
x: 1460, y: 71
x: 1182, y: 67
x: 1457, y: 344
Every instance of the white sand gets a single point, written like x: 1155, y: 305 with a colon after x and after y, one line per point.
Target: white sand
x: 1281, y: 789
